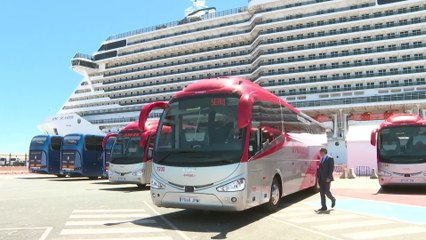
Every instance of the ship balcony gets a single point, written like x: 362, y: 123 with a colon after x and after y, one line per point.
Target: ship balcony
x: 83, y: 63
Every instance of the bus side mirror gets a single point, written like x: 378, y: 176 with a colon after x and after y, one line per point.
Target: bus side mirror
x: 373, y: 137
x: 143, y: 139
x: 143, y: 115
x: 244, y: 111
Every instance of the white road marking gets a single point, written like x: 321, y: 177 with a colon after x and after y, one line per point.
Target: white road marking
x: 128, y: 215
x: 305, y: 229
x: 88, y: 231
x: 109, y: 211
x: 389, y: 232
x: 345, y: 225
x: 168, y: 222
x: 108, y: 222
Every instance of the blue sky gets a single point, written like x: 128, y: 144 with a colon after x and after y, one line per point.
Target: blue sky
x: 38, y: 40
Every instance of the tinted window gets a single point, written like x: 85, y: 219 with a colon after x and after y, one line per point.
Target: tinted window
x: 55, y: 143
x: 38, y: 141
x: 405, y: 144
x: 93, y: 143
x: 71, y: 140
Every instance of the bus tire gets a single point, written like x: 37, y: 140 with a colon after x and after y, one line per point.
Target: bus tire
x: 60, y: 175
x: 93, y: 178
x: 275, y: 196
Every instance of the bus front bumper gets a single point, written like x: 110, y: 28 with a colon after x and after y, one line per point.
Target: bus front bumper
x: 227, y: 201
x: 395, y: 181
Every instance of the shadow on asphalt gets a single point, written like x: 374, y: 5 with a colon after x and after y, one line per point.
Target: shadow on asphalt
x: 73, y: 179
x: 126, y: 189
x: 37, y: 178
x: 399, y: 190
x: 220, y: 223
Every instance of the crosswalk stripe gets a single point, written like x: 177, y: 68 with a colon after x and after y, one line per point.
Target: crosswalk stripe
x: 385, y: 232
x: 294, y: 214
x: 321, y: 218
x: 109, y: 222
x: 109, y: 211
x: 295, y: 209
x: 134, y: 238
x: 89, y: 231
x: 129, y: 215
x: 345, y: 225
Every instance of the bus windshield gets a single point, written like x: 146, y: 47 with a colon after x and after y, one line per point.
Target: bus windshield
x: 38, y: 141
x: 200, y: 131
x: 405, y: 144
x: 72, y: 140
x: 126, y: 149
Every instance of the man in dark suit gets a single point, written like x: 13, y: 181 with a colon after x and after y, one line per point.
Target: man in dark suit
x: 325, y: 176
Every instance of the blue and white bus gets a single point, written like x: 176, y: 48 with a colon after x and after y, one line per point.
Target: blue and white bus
x: 81, y: 155
x: 44, y: 155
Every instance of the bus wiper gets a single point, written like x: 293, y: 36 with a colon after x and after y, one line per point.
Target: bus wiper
x: 164, y: 158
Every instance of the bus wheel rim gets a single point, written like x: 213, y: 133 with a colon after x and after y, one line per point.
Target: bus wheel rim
x: 275, y: 194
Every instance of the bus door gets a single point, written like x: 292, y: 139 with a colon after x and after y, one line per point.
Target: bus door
x: 149, y: 151
x: 54, y: 155
x: 92, y: 156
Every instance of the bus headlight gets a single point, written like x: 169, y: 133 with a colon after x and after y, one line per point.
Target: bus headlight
x: 237, y: 185
x: 156, y: 184
x: 384, y: 173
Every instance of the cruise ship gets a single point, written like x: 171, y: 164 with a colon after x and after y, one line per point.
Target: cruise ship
x: 343, y: 62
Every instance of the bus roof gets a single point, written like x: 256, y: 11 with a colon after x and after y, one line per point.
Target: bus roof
x: 231, y: 85
x: 402, y: 119
x: 150, y: 125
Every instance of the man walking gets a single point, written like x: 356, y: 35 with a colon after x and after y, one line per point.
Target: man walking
x: 325, y: 176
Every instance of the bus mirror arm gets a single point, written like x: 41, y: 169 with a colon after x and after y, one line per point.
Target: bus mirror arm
x: 143, y: 115
x: 244, y: 111
x: 373, y: 137
x: 105, y: 140
x: 143, y: 139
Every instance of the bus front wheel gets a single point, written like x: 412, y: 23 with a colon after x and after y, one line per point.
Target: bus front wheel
x: 141, y: 186
x: 275, y: 196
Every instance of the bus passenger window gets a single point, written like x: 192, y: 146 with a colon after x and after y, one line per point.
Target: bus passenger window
x: 253, y: 142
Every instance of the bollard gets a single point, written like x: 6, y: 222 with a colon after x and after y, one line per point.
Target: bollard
x: 344, y: 173
x: 351, y: 174
x: 373, y: 174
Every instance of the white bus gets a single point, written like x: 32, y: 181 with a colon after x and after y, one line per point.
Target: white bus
x: 227, y: 144
x: 131, y: 154
x: 401, y: 150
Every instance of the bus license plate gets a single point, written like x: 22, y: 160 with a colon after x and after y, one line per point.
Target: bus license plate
x: 67, y: 169
x: 188, y: 200
x: 121, y: 179
x: 407, y: 180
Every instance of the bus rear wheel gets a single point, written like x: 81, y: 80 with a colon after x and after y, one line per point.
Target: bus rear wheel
x: 275, y: 196
x: 141, y: 186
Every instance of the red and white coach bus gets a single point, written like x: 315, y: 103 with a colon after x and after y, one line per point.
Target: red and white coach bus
x: 227, y: 144
x: 401, y: 150
x: 131, y: 154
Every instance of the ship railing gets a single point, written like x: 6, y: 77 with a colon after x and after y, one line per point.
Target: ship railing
x: 180, y: 22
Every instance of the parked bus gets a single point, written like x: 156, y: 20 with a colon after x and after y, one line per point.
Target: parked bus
x: 131, y: 158
x: 227, y: 144
x: 44, y: 155
x: 107, y: 144
x: 401, y: 150
x: 81, y: 155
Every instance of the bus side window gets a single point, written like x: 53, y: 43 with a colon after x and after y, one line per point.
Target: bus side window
x: 254, y: 142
